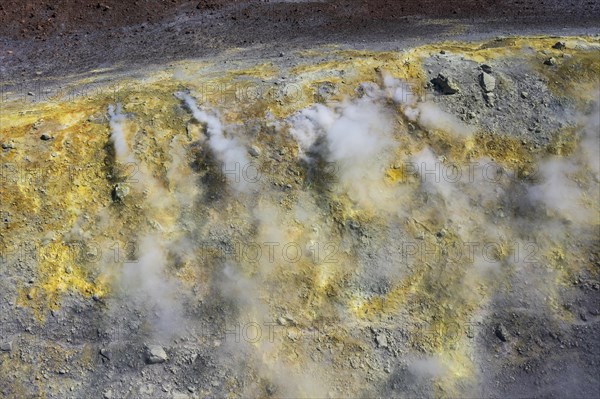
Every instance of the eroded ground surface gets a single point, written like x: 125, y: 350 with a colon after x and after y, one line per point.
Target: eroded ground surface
x: 327, y: 223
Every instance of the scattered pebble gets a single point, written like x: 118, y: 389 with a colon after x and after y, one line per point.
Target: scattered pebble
x: 487, y: 81
x: 445, y: 84
x: 155, y: 354
x: 381, y: 341
x: 6, y: 346
x: 501, y: 332
x: 559, y: 46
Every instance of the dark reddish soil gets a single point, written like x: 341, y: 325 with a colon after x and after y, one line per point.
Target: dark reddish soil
x: 58, y: 37
x: 40, y: 19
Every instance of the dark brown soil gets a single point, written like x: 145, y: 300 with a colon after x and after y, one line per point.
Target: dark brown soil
x: 41, y: 19
x: 57, y: 37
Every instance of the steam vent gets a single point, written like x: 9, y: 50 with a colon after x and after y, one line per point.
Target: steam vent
x: 299, y: 199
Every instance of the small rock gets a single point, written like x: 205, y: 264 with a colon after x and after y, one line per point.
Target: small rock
x: 486, y: 68
x: 6, y: 346
x: 550, y: 61
x: 501, y: 332
x: 105, y: 353
x: 442, y: 52
x: 281, y: 54
x: 487, y: 81
x: 119, y: 192
x: 524, y: 94
x: 381, y: 341
x: 445, y: 84
x: 45, y: 137
x: 325, y: 91
x: 271, y: 389
x: 254, y: 151
x: 559, y: 46
x: 146, y: 390
x: 108, y: 394
x: 490, y: 99
x: 155, y: 354
x: 30, y: 93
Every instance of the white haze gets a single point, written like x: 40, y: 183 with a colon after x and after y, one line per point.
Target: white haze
x: 569, y: 185
x: 228, y: 150
x: 146, y: 280
x: 359, y: 137
x: 117, y: 133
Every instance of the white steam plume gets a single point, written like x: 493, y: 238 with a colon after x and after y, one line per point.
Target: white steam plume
x: 426, y: 113
x: 357, y: 138
x: 228, y: 150
x: 117, y: 133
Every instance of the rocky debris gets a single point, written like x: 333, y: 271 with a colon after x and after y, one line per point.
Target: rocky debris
x: 490, y: 99
x: 105, y: 353
x: 103, y: 7
x: 286, y: 321
x: 365, y: 90
x: 155, y: 354
x: 324, y: 91
x: 487, y: 81
x: 254, y: 151
x: 6, y: 346
x: 119, y: 192
x: 381, y: 341
x: 445, y: 84
x: 501, y: 333
x: 7, y: 145
x: 550, y: 61
x: 271, y: 389
x: 559, y: 46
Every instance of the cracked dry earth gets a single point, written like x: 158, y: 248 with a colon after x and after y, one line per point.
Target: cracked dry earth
x: 325, y: 223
